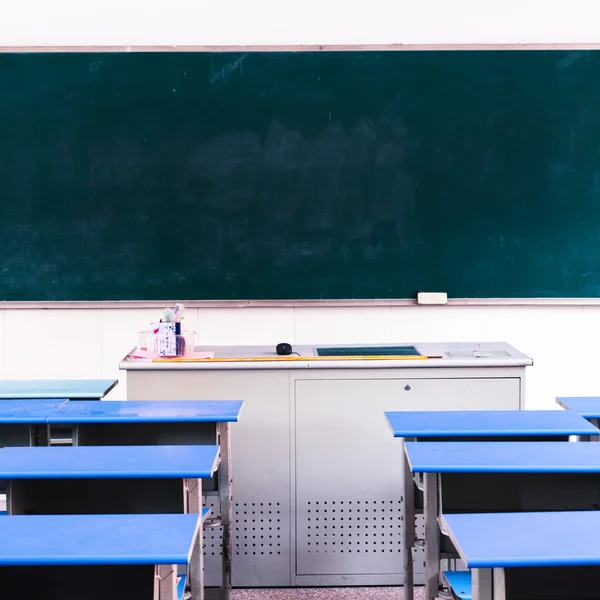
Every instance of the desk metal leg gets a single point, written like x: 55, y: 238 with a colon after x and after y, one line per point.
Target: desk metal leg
x: 9, y: 497
x: 193, y: 490
x: 165, y: 587
x: 432, y: 536
x: 39, y: 435
x: 225, y: 482
x: 482, y: 588
x: 408, y: 527
x: 499, y: 585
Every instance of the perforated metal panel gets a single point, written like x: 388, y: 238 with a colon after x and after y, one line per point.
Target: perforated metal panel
x: 359, y: 526
x: 257, y: 532
x: 367, y: 528
x: 419, y: 553
x: 257, y: 528
x: 212, y: 545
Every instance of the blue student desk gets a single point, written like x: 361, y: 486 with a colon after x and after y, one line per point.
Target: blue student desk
x: 110, y: 480
x: 23, y: 422
x: 31, y: 389
x: 437, y: 426
x: 109, y: 462
x: 52, y: 389
x: 139, y: 422
x: 97, y: 556
x: 529, y: 555
x: 499, y: 477
x: 487, y: 424
x: 587, y: 407
x: 149, y: 411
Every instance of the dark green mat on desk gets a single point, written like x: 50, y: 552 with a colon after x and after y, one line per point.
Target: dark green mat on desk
x: 370, y: 351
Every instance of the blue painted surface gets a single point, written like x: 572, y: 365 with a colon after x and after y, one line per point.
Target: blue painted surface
x: 28, y: 411
x: 181, y: 587
x: 55, y: 388
x: 586, y: 406
x: 97, y: 462
x: 460, y: 582
x: 499, y: 457
x: 548, y: 539
x: 52, y: 540
x: 148, y: 411
x: 488, y: 422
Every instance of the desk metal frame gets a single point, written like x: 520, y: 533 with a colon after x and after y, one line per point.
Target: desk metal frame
x: 429, y: 484
x: 192, y: 504
x: 544, y: 481
x: 224, y: 519
x: 501, y: 582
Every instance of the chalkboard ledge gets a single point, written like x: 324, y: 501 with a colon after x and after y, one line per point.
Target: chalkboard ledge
x: 160, y: 304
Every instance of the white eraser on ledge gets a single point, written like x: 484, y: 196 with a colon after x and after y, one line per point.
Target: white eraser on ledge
x: 432, y: 298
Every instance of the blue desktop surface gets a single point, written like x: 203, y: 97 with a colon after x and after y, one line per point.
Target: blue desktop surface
x: 52, y: 540
x: 499, y: 423
x: 501, y: 457
x: 28, y: 412
x: 585, y: 406
x: 148, y: 411
x: 547, y: 539
x: 96, y: 462
x: 55, y: 388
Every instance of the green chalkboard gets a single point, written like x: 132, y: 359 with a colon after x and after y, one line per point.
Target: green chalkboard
x: 299, y: 175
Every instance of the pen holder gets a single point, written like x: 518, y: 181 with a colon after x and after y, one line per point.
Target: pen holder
x: 168, y: 343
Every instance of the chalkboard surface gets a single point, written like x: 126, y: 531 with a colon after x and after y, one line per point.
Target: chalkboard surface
x: 299, y: 175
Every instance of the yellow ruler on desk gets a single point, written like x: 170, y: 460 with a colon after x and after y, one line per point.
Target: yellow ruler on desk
x: 290, y: 358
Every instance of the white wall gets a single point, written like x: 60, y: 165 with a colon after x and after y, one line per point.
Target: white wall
x: 277, y: 22
x: 563, y: 341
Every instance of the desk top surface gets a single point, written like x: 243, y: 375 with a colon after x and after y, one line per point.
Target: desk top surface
x: 441, y: 355
x: 104, y: 462
x: 503, y: 457
x: 55, y: 388
x: 28, y: 411
x: 52, y: 540
x: 148, y: 411
x: 497, y: 423
x: 547, y: 539
x: 586, y: 406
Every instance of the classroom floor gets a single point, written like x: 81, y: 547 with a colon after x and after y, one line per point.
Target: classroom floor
x: 346, y: 593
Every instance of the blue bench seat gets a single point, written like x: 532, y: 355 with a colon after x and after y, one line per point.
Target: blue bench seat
x: 460, y: 583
